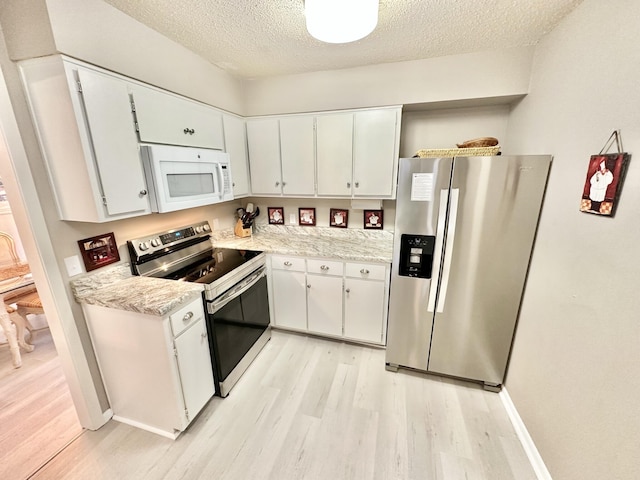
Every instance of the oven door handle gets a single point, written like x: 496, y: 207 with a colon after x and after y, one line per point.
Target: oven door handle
x: 238, y: 290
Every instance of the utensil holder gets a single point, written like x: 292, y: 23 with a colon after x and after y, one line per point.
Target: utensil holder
x: 240, y: 231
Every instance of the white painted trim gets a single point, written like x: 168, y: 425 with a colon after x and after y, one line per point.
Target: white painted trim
x: 108, y: 415
x: 525, y: 439
x: 134, y: 423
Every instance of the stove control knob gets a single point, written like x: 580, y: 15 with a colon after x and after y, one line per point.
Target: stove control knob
x: 155, y: 242
x: 199, y: 229
x: 206, y: 227
x: 144, y: 246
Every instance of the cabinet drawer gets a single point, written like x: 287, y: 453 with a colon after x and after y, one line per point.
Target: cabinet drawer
x: 295, y: 264
x: 366, y: 270
x: 186, y: 316
x: 325, y: 267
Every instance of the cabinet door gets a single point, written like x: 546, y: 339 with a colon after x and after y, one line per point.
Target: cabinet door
x: 364, y: 313
x: 375, y: 151
x: 235, y: 143
x: 166, y: 118
x: 112, y: 131
x: 289, y: 299
x: 324, y: 299
x: 263, y: 139
x: 194, y: 367
x: 297, y: 155
x: 334, y: 152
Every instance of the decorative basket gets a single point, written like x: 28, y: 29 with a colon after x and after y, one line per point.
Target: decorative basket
x: 479, y: 142
x: 458, y: 152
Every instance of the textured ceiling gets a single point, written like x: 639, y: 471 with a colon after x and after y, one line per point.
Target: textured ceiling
x: 257, y: 38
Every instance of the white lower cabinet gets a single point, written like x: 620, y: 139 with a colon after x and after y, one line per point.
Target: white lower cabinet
x: 156, y: 370
x: 332, y: 298
x: 288, y: 292
x: 364, y: 311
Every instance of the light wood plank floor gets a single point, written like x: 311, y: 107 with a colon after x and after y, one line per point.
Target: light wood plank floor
x: 37, y: 416
x: 310, y: 408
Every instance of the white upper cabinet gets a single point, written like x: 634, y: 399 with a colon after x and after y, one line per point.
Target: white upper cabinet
x: 86, y: 131
x: 375, y: 152
x: 169, y: 119
x: 235, y: 143
x: 297, y: 155
x: 108, y: 111
x: 263, y: 139
x: 334, y: 140
x: 281, y: 155
x: 357, y: 153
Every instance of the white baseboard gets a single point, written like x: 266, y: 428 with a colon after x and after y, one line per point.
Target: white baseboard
x: 525, y: 439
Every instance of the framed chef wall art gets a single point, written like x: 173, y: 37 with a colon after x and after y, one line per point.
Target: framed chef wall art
x: 276, y: 215
x: 307, y: 216
x: 99, y: 251
x: 338, y: 217
x: 373, y: 219
x: 603, y: 182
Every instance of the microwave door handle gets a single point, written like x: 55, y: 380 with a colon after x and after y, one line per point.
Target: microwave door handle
x: 238, y: 290
x: 220, y: 179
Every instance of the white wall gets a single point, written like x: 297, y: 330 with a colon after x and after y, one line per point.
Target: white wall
x: 575, y: 371
x: 445, y: 128
x: 96, y: 32
x: 470, y: 76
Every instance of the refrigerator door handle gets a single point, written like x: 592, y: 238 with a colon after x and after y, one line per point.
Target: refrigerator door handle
x: 451, y: 234
x: 437, y: 250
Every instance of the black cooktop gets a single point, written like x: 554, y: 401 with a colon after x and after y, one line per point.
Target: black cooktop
x: 218, y: 264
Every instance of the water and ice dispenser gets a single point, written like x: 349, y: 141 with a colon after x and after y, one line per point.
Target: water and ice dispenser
x: 416, y: 255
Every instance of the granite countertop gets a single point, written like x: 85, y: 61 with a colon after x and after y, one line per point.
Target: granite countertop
x: 342, y: 244
x: 117, y: 288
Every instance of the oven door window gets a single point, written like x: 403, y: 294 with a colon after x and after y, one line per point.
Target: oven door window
x: 237, y: 325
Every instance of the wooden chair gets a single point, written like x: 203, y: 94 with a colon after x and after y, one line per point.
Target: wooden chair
x: 17, y: 303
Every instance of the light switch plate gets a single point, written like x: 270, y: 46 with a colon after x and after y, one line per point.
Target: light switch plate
x: 73, y: 265
x: 292, y: 219
x: 216, y: 224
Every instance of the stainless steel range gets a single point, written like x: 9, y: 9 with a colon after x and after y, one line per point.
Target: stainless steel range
x: 235, y: 295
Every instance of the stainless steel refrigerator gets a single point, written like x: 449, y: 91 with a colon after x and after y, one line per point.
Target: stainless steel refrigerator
x: 464, y: 234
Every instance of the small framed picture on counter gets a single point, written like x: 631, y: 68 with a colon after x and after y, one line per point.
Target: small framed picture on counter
x: 373, y: 219
x: 338, y: 218
x: 99, y: 251
x: 307, y: 216
x: 276, y: 215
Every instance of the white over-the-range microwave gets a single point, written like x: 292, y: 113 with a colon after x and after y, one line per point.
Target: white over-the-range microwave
x: 185, y: 177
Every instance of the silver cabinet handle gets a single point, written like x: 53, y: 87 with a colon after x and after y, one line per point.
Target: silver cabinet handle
x: 348, y: 184
x: 364, y: 271
x: 143, y: 192
x: 324, y: 267
x: 187, y: 316
x: 189, y: 131
x: 277, y: 184
x: 348, y: 290
x: 357, y: 184
x: 203, y: 335
x: 287, y: 263
x: 308, y: 285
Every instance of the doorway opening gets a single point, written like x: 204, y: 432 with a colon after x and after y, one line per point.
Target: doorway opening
x: 37, y: 413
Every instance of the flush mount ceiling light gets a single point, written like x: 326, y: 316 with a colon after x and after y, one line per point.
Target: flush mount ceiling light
x: 341, y: 21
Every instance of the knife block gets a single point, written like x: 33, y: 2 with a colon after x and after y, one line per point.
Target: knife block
x: 240, y: 231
